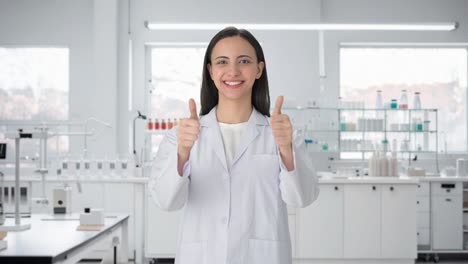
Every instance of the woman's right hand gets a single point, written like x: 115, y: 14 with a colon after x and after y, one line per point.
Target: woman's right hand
x: 189, y: 129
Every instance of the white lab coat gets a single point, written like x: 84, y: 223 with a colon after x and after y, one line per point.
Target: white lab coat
x: 233, y: 215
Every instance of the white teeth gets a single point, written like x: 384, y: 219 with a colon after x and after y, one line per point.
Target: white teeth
x: 232, y: 83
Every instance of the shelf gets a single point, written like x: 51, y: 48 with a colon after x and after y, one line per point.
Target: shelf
x: 400, y: 151
x: 386, y: 131
x: 315, y: 108
x: 387, y: 110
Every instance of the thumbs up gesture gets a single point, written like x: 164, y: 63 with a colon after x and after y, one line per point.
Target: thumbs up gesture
x: 189, y: 129
x: 282, y: 128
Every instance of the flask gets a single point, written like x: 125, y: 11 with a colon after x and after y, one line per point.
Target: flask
x: 378, y: 100
x: 404, y: 100
x: 163, y: 124
x: 417, y: 101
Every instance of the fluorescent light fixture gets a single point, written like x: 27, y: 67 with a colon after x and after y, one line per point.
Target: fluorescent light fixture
x: 446, y: 26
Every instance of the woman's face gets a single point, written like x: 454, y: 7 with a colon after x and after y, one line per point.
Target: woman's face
x: 234, y: 68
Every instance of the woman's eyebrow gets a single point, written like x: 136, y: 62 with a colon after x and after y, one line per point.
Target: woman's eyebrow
x: 240, y: 56
x: 221, y: 57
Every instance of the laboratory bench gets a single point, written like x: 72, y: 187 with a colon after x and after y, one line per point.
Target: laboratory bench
x: 55, y: 239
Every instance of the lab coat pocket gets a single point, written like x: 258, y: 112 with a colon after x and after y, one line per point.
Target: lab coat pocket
x: 267, y: 251
x: 192, y: 252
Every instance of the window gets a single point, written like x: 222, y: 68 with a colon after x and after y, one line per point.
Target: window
x: 439, y: 74
x: 34, y: 83
x: 176, y: 75
x: 34, y: 87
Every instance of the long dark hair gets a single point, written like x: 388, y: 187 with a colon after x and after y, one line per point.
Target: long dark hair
x: 260, y: 91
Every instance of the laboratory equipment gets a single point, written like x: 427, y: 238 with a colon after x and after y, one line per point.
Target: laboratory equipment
x: 92, y: 217
x: 62, y: 200
x: 2, y: 213
x: 150, y: 124
x: 378, y: 100
x: 163, y: 124
x: 137, y: 161
x: 417, y: 101
x: 3, y: 147
x: 156, y: 124
x: 403, y: 100
x: 393, y: 104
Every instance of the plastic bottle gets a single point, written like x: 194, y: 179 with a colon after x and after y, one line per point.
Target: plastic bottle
x: 416, y: 101
x: 404, y: 100
x: 378, y: 100
x: 383, y: 165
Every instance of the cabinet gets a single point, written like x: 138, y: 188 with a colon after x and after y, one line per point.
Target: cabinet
x: 162, y: 229
x: 359, y: 221
x: 362, y: 221
x: 447, y: 216
x: 320, y: 225
x: 423, y: 215
x: 398, y: 221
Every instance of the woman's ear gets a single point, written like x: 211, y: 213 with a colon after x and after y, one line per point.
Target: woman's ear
x: 260, y: 67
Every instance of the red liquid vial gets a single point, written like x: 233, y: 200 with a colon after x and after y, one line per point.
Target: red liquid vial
x: 169, y: 124
x: 156, y: 124
x: 150, y: 124
x: 163, y: 124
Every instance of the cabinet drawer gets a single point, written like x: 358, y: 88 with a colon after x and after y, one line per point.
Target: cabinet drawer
x: 446, y: 188
x: 423, y: 189
x: 423, y: 219
x: 422, y: 203
x: 423, y: 236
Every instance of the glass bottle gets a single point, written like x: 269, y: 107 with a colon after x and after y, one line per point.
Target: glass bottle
x: 156, y: 124
x: 169, y: 124
x: 378, y: 100
x: 417, y: 101
x: 404, y: 100
x: 163, y: 124
x: 150, y: 124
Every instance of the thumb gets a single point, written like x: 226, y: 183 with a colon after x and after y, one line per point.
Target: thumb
x: 193, y: 109
x: 278, y: 105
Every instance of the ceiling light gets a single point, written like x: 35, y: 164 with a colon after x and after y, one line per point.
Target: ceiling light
x: 447, y: 26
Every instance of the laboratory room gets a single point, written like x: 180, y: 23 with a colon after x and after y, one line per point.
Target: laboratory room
x: 233, y: 132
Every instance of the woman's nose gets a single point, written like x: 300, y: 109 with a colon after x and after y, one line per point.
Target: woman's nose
x: 234, y: 69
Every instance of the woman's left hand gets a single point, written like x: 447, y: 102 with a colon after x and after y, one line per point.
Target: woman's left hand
x: 282, y: 132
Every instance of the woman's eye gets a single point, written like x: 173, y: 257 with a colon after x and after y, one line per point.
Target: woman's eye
x: 221, y: 62
x: 244, y: 61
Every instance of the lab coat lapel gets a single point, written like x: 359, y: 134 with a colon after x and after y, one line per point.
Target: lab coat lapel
x: 213, y: 135
x: 252, y: 131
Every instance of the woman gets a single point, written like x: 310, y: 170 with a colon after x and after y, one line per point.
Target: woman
x: 233, y: 169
